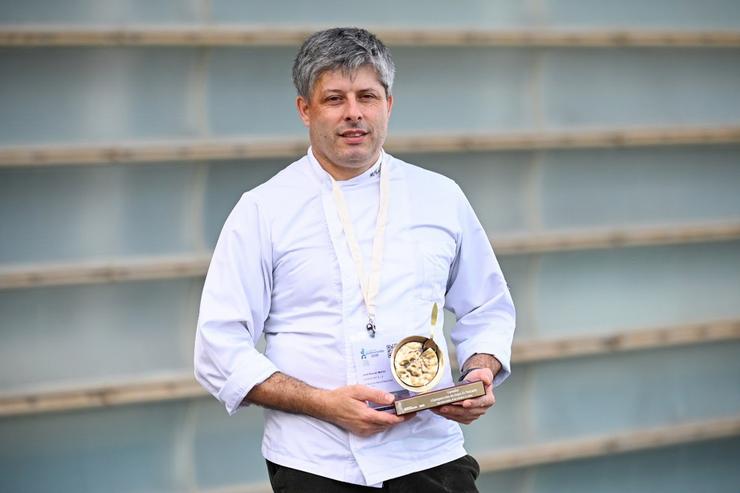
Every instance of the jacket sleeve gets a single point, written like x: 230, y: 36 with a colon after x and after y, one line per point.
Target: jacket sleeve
x: 478, y: 296
x: 234, y: 306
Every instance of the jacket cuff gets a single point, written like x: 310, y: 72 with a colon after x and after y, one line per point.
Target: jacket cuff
x: 239, y: 383
x: 500, y: 351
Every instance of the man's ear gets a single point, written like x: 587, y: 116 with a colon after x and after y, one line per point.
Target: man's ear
x: 303, y: 111
x: 390, y: 105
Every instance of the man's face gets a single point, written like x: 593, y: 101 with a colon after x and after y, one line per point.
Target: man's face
x: 347, y: 120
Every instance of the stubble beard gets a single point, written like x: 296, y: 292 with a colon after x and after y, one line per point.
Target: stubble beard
x: 349, y: 157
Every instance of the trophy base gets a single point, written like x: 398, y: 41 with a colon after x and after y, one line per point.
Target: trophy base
x: 440, y: 397
x: 399, y: 394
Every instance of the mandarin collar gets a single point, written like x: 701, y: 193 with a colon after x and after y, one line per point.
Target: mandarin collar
x: 370, y: 175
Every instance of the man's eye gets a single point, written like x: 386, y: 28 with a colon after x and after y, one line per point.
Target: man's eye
x: 333, y: 99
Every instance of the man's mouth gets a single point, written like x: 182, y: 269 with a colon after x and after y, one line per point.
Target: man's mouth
x: 353, y: 133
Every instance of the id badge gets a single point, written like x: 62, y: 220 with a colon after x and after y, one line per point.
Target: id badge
x: 372, y: 360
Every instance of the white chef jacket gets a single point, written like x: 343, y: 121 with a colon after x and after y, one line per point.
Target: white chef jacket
x: 282, y: 269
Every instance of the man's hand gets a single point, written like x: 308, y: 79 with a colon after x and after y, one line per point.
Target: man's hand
x: 469, y: 410
x: 345, y: 407
x: 348, y: 409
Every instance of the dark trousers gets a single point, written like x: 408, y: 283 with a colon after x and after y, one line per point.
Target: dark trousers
x: 457, y: 476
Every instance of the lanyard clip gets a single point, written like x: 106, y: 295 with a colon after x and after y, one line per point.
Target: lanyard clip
x: 370, y: 327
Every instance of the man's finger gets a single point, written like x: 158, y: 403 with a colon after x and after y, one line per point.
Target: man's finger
x: 464, y: 417
x: 463, y: 411
x: 384, y: 418
x: 452, y: 411
x: 484, y: 375
x: 377, y: 396
x: 484, y: 401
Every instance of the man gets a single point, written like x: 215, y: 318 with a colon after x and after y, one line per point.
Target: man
x: 346, y: 250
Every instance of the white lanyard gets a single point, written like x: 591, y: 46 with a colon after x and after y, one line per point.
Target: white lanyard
x: 369, y: 284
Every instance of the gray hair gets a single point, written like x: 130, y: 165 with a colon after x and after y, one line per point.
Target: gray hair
x: 341, y: 48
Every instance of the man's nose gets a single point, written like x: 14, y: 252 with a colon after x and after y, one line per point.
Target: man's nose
x: 352, y: 110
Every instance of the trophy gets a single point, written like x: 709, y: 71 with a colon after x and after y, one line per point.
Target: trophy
x: 417, y: 365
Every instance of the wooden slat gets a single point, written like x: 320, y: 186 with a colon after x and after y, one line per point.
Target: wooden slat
x: 263, y: 487
x: 185, y: 387
x: 632, y: 340
x: 66, y: 274
x: 292, y: 147
x: 88, y: 397
x: 244, y: 35
x: 599, y: 238
x: 152, y: 152
x: 583, y: 448
x: 40, y: 275
x: 591, y: 447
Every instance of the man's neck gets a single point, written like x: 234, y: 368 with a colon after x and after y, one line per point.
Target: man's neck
x: 343, y: 173
x: 340, y: 173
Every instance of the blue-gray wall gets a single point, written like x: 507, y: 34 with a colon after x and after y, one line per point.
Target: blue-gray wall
x: 55, y: 336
